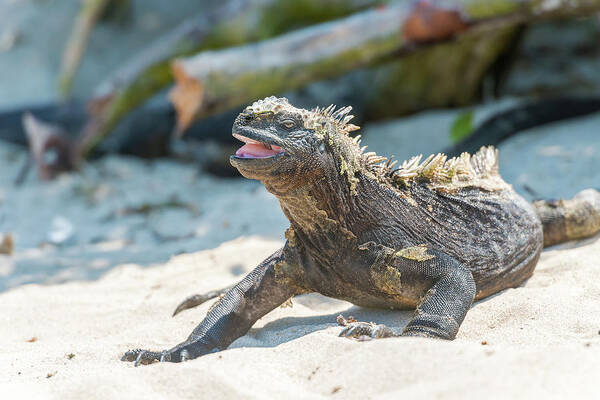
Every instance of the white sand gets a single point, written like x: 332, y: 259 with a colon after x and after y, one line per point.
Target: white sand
x: 542, y: 338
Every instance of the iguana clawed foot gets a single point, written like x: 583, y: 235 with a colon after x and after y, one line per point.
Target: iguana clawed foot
x: 182, y: 352
x: 144, y: 357
x: 363, y: 330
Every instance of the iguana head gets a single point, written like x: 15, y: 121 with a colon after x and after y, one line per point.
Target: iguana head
x: 291, y: 145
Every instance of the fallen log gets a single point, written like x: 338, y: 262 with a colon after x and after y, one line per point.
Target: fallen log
x: 234, y: 23
x: 213, y: 81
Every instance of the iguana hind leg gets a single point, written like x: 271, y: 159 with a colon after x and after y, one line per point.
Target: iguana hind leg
x: 449, y: 291
x: 445, y: 305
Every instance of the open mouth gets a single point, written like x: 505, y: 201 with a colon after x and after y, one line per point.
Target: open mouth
x: 256, y: 149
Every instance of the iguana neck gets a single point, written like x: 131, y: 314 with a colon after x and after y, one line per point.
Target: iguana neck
x: 325, y: 197
x: 326, y: 210
x: 315, y: 206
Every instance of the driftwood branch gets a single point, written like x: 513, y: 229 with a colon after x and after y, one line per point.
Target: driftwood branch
x: 234, y: 23
x: 213, y: 81
x: 90, y: 12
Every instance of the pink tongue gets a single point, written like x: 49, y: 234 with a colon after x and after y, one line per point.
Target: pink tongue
x: 255, y: 151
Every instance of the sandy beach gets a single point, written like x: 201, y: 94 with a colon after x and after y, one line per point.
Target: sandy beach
x: 64, y: 341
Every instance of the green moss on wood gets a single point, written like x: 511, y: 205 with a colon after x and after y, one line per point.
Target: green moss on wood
x: 482, y: 9
x: 443, y: 75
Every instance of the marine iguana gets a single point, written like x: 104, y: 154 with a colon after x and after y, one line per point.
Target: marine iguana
x: 431, y: 235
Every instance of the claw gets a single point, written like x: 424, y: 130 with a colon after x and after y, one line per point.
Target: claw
x: 343, y: 321
x: 177, y: 354
x: 363, y: 331
x: 139, y: 359
x: 165, y: 356
x: 130, y: 355
x: 185, y: 356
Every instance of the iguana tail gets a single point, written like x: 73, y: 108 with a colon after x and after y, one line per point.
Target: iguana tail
x: 565, y: 220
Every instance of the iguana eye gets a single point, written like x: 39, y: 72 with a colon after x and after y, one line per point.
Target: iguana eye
x: 288, y: 123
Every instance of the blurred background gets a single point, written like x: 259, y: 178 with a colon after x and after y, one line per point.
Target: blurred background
x: 115, y: 115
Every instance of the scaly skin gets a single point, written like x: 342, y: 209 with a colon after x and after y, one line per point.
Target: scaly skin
x: 430, y: 236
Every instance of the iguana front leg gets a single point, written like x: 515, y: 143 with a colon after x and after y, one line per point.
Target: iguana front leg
x: 449, y: 291
x: 266, y: 287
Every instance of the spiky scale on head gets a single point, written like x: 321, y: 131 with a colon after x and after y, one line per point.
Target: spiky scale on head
x: 272, y: 103
x: 313, y: 119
